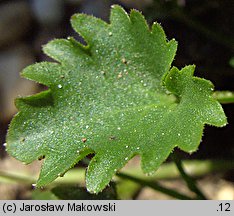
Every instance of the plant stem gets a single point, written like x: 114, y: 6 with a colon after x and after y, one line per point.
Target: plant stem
x: 166, y: 171
x: 224, y: 97
x: 74, y: 176
x: 155, y: 186
x: 16, y: 177
x: 188, y: 179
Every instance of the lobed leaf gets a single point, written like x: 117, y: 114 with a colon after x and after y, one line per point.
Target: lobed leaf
x: 116, y: 97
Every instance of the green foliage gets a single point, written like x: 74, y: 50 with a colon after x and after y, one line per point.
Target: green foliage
x: 116, y: 97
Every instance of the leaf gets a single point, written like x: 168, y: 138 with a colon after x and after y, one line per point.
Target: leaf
x: 116, y: 97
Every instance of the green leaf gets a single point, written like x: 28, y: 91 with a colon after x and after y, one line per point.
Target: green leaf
x: 116, y: 97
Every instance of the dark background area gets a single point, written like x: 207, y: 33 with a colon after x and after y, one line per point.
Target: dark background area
x: 203, y: 29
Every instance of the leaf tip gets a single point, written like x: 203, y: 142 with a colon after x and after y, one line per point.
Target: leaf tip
x: 116, y: 7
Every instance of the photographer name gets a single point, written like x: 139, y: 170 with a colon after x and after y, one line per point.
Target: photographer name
x: 70, y: 207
